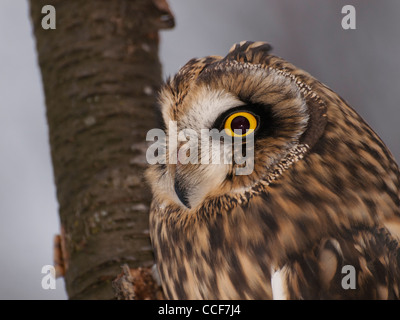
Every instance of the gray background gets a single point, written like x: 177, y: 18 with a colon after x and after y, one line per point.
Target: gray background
x: 361, y: 65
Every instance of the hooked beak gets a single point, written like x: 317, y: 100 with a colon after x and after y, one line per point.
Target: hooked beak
x: 181, y: 192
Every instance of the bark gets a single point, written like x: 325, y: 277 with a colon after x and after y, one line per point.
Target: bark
x: 100, y: 72
x: 137, y: 284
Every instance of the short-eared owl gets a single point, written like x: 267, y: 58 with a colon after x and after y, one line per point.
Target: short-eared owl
x: 318, y: 216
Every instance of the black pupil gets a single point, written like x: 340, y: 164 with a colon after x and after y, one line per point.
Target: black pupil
x: 240, y: 123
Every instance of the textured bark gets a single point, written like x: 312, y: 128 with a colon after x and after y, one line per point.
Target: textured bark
x: 137, y: 284
x: 100, y: 72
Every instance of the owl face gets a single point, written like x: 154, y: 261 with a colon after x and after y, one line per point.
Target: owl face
x: 264, y: 106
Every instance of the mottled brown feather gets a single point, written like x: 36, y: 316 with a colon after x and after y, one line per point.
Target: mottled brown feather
x: 321, y: 196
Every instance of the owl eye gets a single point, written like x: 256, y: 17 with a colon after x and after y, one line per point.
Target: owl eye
x: 244, y: 122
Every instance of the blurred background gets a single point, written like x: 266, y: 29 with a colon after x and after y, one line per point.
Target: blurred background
x: 361, y: 65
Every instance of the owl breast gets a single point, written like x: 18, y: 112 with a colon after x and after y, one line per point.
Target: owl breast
x: 223, y: 257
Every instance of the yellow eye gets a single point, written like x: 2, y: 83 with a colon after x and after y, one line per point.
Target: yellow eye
x: 244, y: 122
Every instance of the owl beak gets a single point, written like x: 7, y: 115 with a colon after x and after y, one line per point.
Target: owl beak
x: 182, y: 193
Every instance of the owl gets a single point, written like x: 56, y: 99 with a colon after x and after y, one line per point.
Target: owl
x: 316, y: 217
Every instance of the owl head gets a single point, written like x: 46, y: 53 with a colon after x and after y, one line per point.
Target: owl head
x: 268, y: 114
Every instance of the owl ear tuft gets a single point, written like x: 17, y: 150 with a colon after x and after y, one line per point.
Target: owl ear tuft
x: 249, y: 51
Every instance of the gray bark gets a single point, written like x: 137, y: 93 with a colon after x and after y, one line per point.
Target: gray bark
x: 100, y: 72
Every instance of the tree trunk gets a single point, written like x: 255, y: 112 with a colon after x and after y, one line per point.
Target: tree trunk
x: 100, y: 72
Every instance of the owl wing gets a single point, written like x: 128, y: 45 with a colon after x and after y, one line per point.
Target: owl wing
x: 360, y: 260
x: 362, y: 263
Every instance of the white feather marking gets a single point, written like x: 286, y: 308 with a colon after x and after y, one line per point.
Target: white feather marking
x: 279, y: 291
x: 206, y: 105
